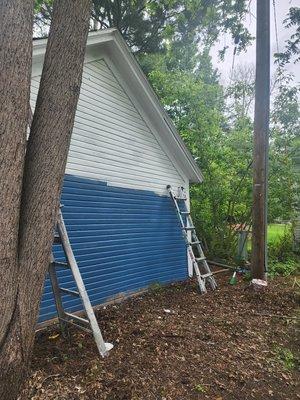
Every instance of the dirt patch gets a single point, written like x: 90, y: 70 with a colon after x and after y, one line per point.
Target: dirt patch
x: 217, y: 346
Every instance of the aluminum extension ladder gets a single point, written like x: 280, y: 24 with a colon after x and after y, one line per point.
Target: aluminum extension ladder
x: 199, y: 264
x: 90, y: 323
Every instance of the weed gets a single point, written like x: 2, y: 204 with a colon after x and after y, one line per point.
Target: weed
x: 155, y: 287
x: 94, y: 371
x: 286, y: 357
x: 200, y: 388
x: 247, y: 276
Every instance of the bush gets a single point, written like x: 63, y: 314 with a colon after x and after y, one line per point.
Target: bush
x: 281, y: 249
x: 282, y: 259
x: 286, y: 268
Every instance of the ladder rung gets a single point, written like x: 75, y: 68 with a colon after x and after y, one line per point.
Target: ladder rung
x: 200, y: 258
x: 78, y: 319
x: 69, y: 291
x: 185, y: 212
x: 189, y: 228
x: 68, y: 321
x: 207, y: 275
x: 194, y: 243
x: 61, y: 264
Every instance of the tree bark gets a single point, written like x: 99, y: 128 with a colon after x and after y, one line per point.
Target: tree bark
x: 16, y: 23
x: 44, y: 169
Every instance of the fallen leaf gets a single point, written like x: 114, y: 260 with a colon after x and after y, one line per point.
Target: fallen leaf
x: 55, y: 336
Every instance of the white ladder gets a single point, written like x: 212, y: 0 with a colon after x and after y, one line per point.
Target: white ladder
x: 90, y: 323
x: 199, y: 264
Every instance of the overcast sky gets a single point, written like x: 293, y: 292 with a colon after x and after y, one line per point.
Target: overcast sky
x: 282, y: 7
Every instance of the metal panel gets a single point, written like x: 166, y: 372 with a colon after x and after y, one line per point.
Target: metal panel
x: 124, y: 240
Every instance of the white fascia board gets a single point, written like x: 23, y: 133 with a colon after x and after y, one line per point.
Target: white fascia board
x: 111, y: 41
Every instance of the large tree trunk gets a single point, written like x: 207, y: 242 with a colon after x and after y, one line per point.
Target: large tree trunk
x: 45, y: 162
x: 16, y: 21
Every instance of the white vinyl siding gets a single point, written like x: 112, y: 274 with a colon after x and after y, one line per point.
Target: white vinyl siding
x: 111, y: 141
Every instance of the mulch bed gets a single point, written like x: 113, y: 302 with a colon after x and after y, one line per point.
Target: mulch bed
x: 229, y: 344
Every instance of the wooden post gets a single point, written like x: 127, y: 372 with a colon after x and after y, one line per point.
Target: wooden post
x: 261, y: 140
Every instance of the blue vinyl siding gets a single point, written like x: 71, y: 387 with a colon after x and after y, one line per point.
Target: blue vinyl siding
x: 123, y: 240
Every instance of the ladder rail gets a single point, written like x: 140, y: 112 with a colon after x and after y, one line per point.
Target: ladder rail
x: 65, y: 318
x: 189, y: 226
x: 207, y: 269
x: 57, y: 297
x: 101, y: 345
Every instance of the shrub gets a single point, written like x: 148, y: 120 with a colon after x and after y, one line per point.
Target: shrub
x: 282, y: 259
x: 286, y: 268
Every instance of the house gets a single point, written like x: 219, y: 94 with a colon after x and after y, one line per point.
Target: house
x: 124, y: 152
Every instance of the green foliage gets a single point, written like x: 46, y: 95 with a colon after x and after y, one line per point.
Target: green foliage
x: 292, y: 50
x: 286, y: 268
x: 39, y: 4
x: 200, y: 388
x: 282, y: 260
x: 194, y: 101
x: 42, y: 17
x: 214, y: 122
x: 287, y: 358
x: 247, y: 276
x: 281, y: 249
x: 156, y: 287
x: 224, y: 199
x: 219, y: 135
x: 285, y: 129
x: 275, y: 232
x: 148, y: 26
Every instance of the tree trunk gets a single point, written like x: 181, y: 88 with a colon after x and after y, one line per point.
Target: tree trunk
x: 16, y: 22
x: 45, y: 162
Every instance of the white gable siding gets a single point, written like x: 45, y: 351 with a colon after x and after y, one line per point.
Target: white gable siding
x: 111, y: 141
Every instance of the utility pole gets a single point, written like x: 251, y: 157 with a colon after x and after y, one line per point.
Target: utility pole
x: 261, y: 140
